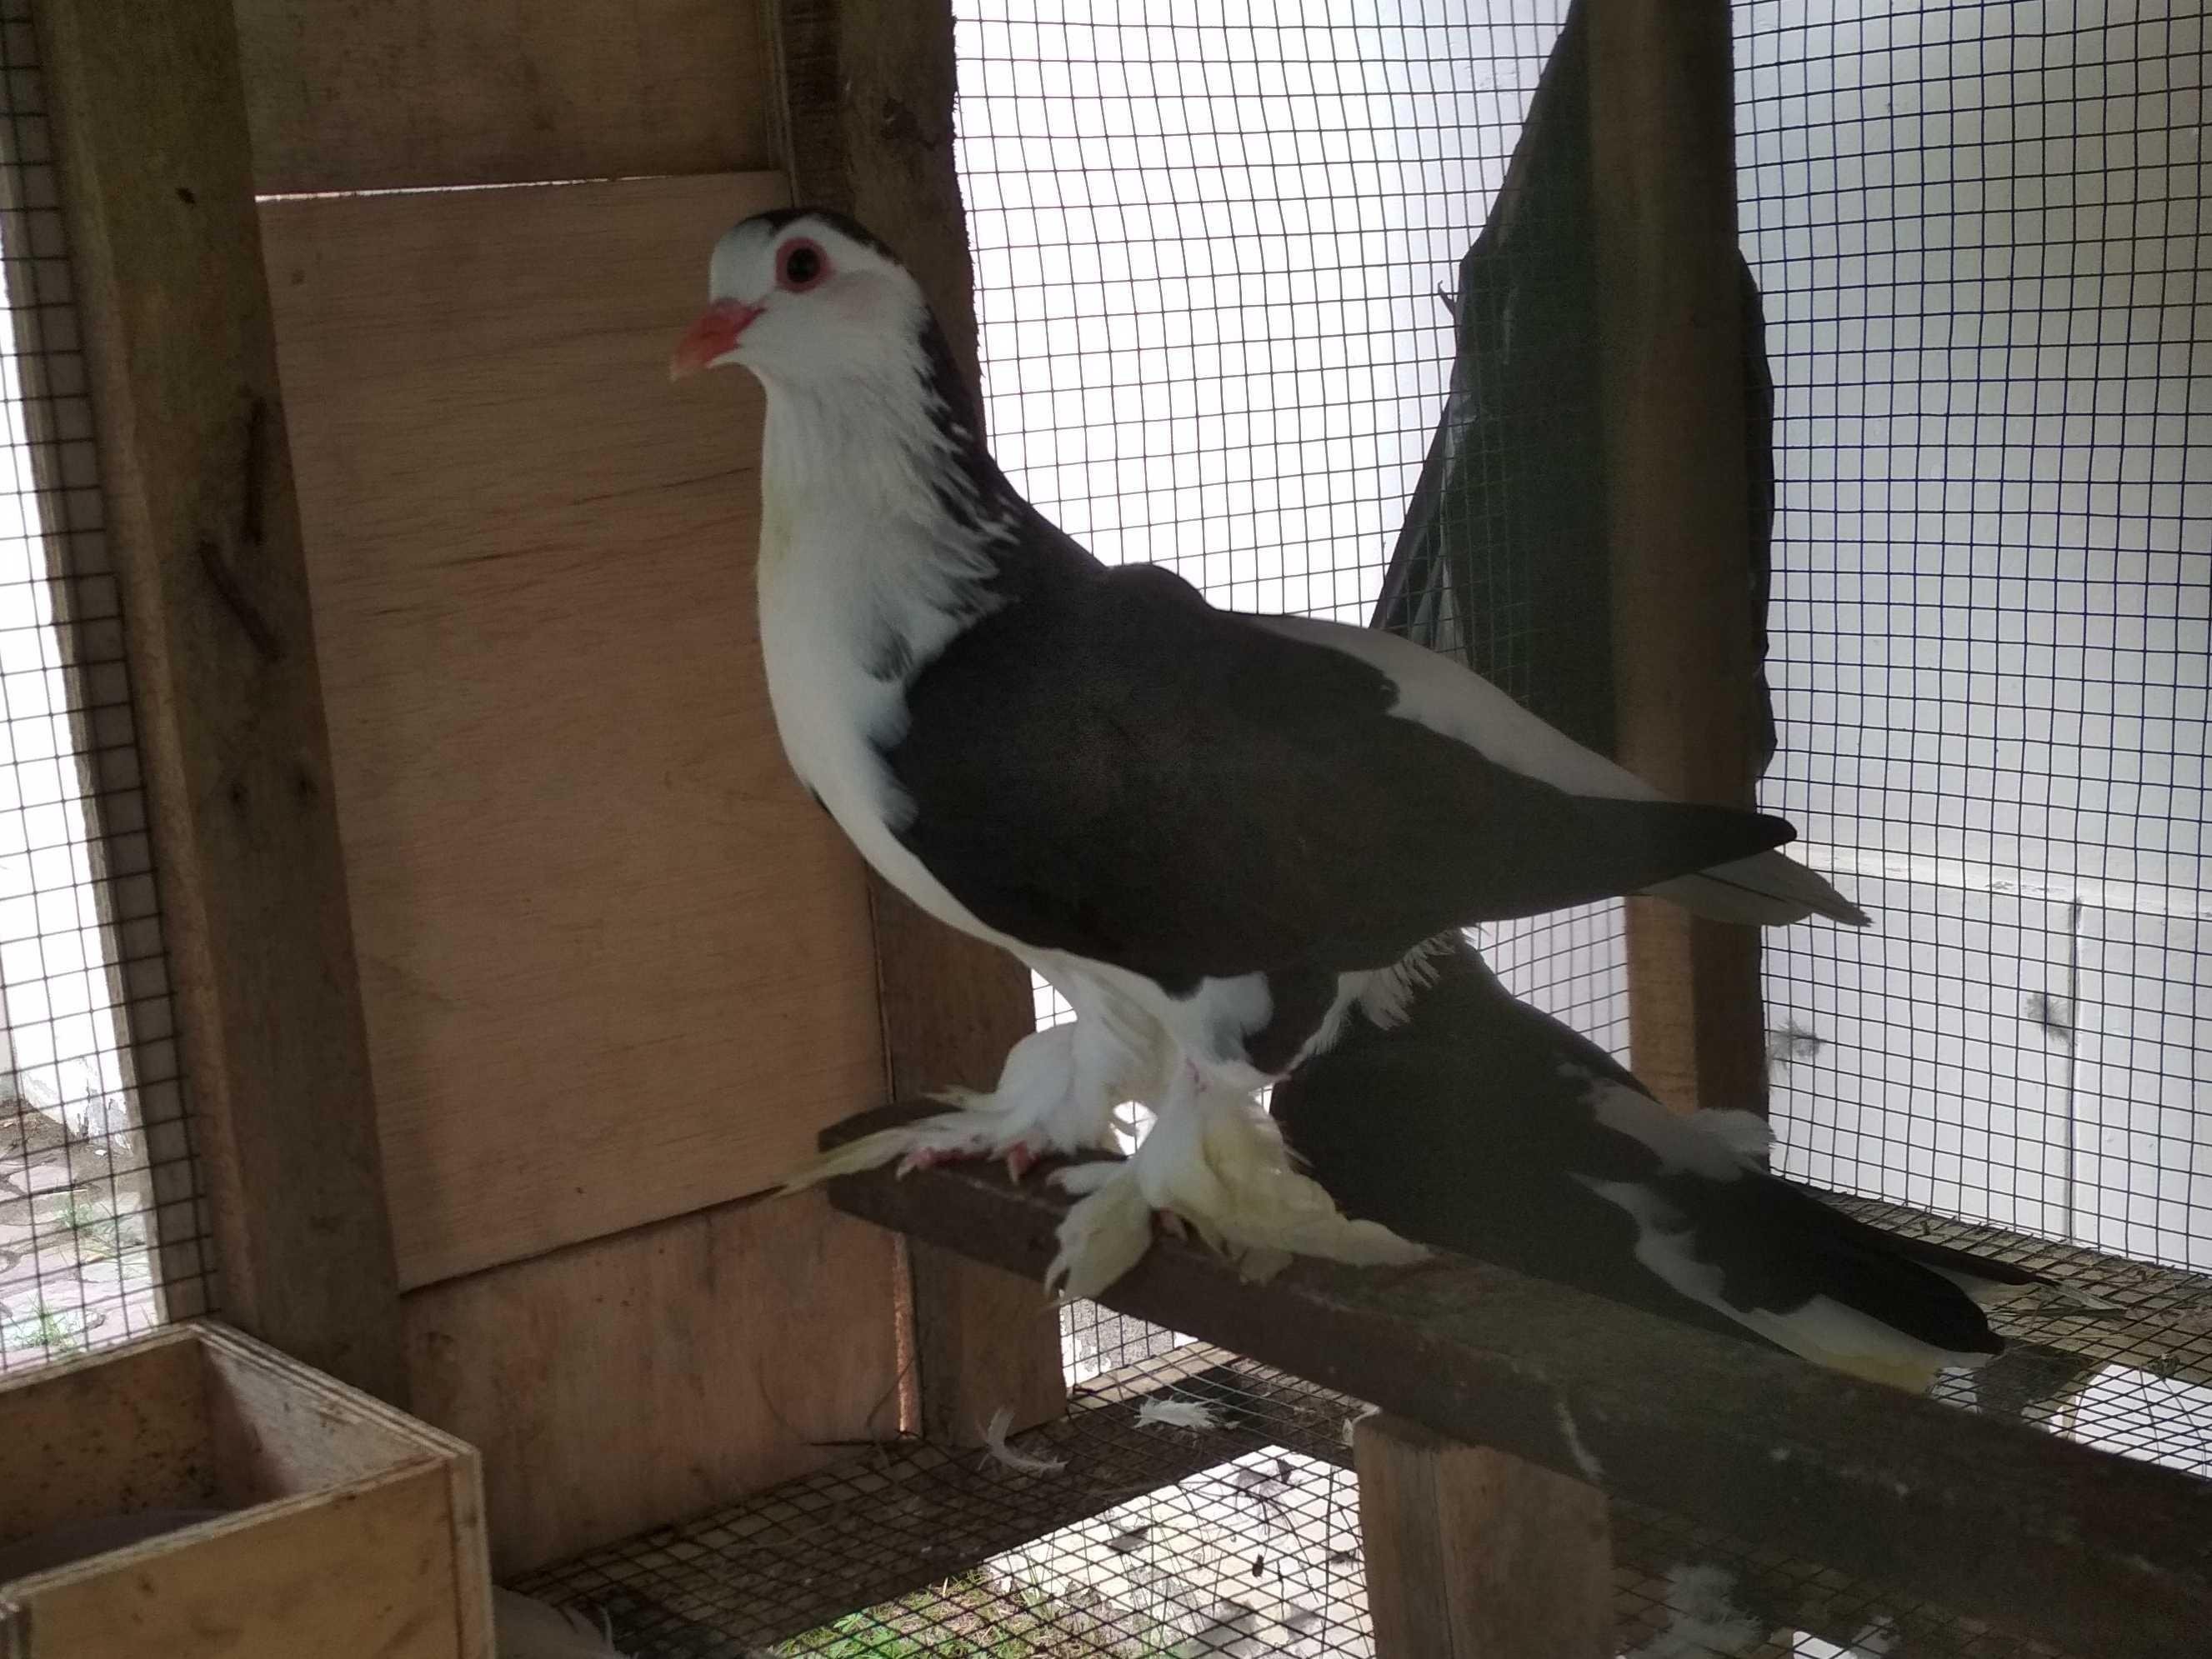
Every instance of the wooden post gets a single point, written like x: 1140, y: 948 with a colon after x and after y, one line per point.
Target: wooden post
x: 156, y: 177
x: 1473, y: 1553
x: 1669, y: 308
x: 867, y: 119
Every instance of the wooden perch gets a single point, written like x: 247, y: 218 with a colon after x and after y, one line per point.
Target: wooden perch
x: 2035, y: 1535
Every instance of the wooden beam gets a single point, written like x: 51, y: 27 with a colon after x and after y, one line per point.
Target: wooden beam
x: 1474, y: 1553
x: 386, y: 94
x: 866, y: 117
x: 1662, y: 89
x: 2075, y: 1545
x: 157, y: 179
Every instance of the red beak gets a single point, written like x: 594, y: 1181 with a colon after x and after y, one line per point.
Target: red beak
x: 714, y: 333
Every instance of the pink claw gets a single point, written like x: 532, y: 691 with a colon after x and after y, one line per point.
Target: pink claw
x: 1020, y: 1160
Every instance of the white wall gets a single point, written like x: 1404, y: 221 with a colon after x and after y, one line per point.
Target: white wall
x: 1978, y: 230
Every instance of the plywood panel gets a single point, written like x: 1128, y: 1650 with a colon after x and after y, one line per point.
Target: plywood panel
x: 638, y: 1380
x: 616, y: 965
x: 370, y: 95
x: 96, y: 1436
x: 369, y: 1572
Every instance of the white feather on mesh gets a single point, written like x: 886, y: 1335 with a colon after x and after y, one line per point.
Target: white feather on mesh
x: 524, y: 1628
x: 1175, y: 1414
x: 995, y: 1442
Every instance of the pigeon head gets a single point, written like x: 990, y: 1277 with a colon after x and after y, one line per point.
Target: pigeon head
x: 805, y: 298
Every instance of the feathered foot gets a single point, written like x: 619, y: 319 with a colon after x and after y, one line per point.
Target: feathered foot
x: 1047, y: 1103
x: 1216, y: 1162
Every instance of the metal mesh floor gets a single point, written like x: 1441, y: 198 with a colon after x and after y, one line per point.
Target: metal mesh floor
x: 1241, y: 1537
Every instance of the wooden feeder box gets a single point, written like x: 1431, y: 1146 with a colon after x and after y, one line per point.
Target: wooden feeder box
x: 353, y: 1529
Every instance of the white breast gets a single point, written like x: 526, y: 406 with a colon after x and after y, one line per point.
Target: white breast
x: 831, y: 580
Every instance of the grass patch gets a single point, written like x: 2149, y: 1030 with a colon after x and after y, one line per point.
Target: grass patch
x: 101, y: 1235
x: 55, y: 1331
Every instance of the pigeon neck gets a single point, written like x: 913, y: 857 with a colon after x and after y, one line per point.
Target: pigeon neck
x: 902, y: 440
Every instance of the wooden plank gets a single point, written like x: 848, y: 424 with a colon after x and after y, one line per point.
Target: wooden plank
x: 865, y: 113
x: 1474, y: 1553
x: 632, y: 1381
x: 378, y: 94
x: 151, y: 135
x: 2074, y: 1545
x: 103, y: 1434
x: 369, y: 1571
x: 1669, y: 315
x: 611, y: 954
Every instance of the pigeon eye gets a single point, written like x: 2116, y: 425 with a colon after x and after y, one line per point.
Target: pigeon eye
x: 802, y: 265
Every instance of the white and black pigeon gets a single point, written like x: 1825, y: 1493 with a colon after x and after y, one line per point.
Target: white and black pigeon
x: 1458, y: 1115
x: 1205, y: 829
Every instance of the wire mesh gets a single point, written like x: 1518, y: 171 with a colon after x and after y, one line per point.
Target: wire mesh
x: 1979, y: 231
x: 101, y: 1231
x: 1230, y: 1524
x: 1204, y: 253
x: 1211, y: 257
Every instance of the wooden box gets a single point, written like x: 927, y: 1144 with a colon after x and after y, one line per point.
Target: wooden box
x: 352, y: 1529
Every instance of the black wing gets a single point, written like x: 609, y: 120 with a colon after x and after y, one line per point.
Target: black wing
x: 1470, y: 1126
x: 1110, y: 767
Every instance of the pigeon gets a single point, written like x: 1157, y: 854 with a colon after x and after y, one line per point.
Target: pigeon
x: 1462, y: 1117
x: 1207, y: 830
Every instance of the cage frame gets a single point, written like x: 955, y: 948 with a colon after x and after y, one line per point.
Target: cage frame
x: 207, y: 542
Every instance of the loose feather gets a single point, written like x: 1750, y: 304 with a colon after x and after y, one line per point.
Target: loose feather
x: 1175, y: 1414
x: 1767, y: 890
x: 524, y: 1628
x: 995, y: 1442
x: 1702, y: 1623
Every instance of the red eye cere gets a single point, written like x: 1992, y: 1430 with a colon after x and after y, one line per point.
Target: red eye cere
x: 800, y: 265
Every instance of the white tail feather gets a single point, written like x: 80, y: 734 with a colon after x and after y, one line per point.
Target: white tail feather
x: 1767, y: 890
x: 524, y: 1628
x: 863, y: 1152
